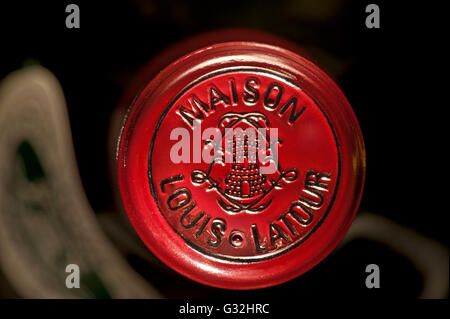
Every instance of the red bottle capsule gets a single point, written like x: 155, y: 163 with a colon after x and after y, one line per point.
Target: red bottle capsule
x: 241, y: 165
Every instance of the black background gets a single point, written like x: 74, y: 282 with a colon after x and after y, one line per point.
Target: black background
x: 385, y: 73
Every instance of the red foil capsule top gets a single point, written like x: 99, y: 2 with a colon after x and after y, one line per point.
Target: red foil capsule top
x: 241, y: 165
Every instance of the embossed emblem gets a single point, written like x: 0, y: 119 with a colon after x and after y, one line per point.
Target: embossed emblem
x: 261, y: 193
x: 241, y: 165
x: 240, y: 185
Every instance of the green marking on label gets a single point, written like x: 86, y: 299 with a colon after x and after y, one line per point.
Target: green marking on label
x: 95, y: 285
x: 31, y: 61
x: 32, y: 166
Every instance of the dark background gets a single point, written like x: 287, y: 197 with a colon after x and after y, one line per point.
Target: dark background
x: 385, y: 73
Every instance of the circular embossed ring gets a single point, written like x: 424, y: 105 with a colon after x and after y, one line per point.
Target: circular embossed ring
x: 241, y: 165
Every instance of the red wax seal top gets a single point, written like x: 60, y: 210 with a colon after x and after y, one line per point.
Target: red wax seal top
x: 241, y: 165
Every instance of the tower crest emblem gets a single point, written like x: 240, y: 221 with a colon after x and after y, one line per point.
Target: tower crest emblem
x: 245, y: 170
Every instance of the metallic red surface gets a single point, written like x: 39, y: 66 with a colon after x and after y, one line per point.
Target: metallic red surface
x: 226, y: 224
